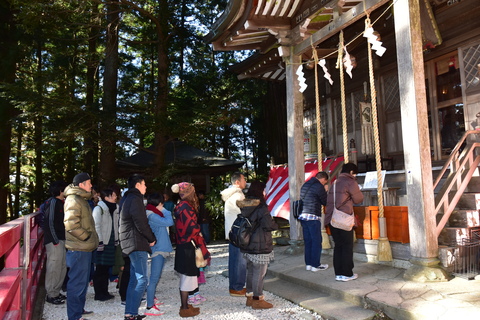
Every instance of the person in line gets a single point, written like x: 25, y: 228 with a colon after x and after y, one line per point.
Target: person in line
x: 314, y: 197
x: 204, y: 218
x: 188, y: 230
x: 81, y: 240
x: 159, y: 220
x: 136, y: 240
x: 237, y: 265
x: 260, y: 249
x: 106, y: 218
x: 347, y: 193
x: 54, y: 241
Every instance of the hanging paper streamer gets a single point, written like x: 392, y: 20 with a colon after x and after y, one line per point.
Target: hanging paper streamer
x: 327, y: 75
x: 347, y: 63
x: 372, y: 37
x: 301, y: 79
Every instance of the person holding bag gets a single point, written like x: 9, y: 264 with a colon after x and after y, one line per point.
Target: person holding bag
x: 188, y: 229
x: 343, y: 196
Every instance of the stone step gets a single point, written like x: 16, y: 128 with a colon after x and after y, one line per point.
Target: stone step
x: 464, y: 219
x: 469, y: 200
x: 322, y: 303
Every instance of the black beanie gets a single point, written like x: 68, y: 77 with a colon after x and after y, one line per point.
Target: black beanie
x: 81, y: 177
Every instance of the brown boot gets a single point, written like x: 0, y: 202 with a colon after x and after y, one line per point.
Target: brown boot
x: 190, y: 312
x: 260, y: 303
x: 249, y: 296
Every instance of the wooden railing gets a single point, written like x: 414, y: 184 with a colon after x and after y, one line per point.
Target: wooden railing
x: 21, y: 245
x: 462, y: 165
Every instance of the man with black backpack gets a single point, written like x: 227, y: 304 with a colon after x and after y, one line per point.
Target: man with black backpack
x: 314, y: 197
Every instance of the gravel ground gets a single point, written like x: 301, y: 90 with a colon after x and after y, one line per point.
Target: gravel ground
x: 219, y: 304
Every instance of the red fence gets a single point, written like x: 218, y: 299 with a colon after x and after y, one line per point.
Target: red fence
x: 21, y: 245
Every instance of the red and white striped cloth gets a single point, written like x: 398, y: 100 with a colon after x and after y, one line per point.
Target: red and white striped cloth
x: 277, y: 194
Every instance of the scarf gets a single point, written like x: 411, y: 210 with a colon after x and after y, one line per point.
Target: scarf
x: 154, y: 209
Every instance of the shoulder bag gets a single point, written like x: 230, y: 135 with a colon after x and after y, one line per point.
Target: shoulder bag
x: 340, y: 219
x: 199, y: 260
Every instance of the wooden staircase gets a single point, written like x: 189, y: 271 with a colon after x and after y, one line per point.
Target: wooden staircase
x: 457, y: 205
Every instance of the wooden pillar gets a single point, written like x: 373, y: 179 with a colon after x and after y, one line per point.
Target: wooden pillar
x: 296, y: 160
x: 418, y: 166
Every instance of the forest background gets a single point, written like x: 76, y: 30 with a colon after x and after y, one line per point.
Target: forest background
x: 86, y: 82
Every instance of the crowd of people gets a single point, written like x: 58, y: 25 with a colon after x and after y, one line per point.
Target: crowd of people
x: 96, y: 237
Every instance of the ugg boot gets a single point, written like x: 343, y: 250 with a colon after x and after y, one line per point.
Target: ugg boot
x: 190, y: 312
x: 249, y: 296
x: 260, y: 303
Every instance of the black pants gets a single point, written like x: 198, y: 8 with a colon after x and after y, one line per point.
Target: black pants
x: 343, y: 251
x: 100, y: 281
x: 125, y: 278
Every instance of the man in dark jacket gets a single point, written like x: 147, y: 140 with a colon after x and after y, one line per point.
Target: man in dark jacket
x: 314, y: 197
x: 136, y: 238
x: 54, y: 241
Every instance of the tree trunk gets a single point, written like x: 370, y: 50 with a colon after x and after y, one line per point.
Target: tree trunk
x: 18, y: 167
x: 91, y: 135
x: 108, y: 124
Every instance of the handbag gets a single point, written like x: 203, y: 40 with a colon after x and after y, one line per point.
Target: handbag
x: 340, y: 219
x: 200, y: 262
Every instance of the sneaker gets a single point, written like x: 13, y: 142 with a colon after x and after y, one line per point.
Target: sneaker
x: 320, y: 267
x: 308, y: 268
x: 339, y: 278
x: 104, y: 298
x: 157, y: 302
x: 193, y: 301
x: 137, y: 317
x: 62, y: 296
x: 238, y: 293
x: 345, y: 278
x: 198, y: 297
x: 84, y: 312
x: 153, y: 311
x: 123, y: 302
x: 56, y: 300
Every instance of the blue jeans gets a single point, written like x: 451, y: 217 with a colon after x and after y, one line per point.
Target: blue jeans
x: 78, y: 276
x: 312, y: 237
x: 237, y: 268
x: 205, y: 229
x: 138, y: 281
x: 155, y: 274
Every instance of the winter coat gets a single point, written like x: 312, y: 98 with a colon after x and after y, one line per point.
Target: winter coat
x: 159, y: 227
x: 188, y: 228
x: 261, y: 239
x: 135, y: 232
x: 314, y: 196
x: 231, y: 195
x: 347, y: 193
x: 80, y: 234
x: 54, y: 228
x: 103, y: 222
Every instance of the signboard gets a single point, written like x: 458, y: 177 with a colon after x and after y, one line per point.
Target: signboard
x: 371, y: 181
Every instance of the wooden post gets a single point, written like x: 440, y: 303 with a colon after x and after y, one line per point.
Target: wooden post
x: 296, y: 160
x: 418, y: 167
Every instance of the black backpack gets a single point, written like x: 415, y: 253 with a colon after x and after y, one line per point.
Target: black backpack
x: 241, y: 232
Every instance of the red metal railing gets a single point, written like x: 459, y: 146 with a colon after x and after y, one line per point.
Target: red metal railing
x: 21, y: 245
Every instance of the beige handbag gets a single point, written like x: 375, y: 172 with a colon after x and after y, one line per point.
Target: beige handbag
x: 340, y: 219
x: 199, y: 260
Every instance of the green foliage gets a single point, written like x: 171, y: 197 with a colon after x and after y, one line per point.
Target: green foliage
x: 215, y: 205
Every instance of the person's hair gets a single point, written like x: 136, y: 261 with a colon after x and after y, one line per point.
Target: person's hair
x: 155, y: 199
x: 107, y: 192
x: 134, y: 179
x: 322, y: 174
x: 347, y: 167
x: 116, y: 188
x: 57, y: 187
x: 236, y: 177
x: 256, y: 190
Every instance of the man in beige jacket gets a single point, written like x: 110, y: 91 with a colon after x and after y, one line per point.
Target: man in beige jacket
x: 81, y: 240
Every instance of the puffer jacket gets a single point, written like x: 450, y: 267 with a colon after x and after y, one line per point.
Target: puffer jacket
x: 103, y: 222
x: 231, y: 195
x: 314, y: 196
x: 261, y: 239
x: 80, y: 234
x: 135, y: 232
x: 347, y: 193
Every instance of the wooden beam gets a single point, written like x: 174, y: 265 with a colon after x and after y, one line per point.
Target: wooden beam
x: 340, y: 23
